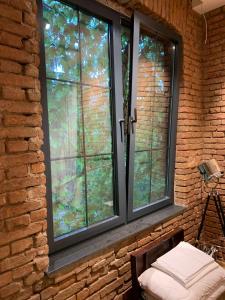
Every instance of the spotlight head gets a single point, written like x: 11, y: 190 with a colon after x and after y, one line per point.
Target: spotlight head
x: 210, y: 170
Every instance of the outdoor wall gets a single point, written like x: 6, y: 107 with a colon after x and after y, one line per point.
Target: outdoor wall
x: 214, y: 107
x: 23, y: 238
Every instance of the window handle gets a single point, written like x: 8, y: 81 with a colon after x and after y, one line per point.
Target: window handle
x: 121, y: 121
x: 133, y: 120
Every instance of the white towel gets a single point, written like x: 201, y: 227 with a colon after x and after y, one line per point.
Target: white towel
x: 185, y: 263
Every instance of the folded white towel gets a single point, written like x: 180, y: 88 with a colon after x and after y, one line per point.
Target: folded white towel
x: 185, y: 263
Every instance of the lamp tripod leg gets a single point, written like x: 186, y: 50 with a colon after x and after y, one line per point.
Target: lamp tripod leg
x: 203, y: 217
x: 220, y: 211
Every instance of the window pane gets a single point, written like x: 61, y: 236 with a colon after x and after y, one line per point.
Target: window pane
x: 94, y: 35
x: 100, y: 188
x: 153, y: 100
x: 68, y: 195
x: 61, y: 41
x: 97, y: 120
x: 65, y: 123
x: 142, y: 178
x: 79, y: 115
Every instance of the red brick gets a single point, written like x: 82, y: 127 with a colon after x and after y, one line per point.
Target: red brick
x: 41, y: 263
x: 17, y: 80
x: 33, y: 277
x: 19, y: 209
x: 10, y: 66
x: 20, y: 246
x: 32, y: 120
x: 17, y: 172
x: 5, y: 278
x: 11, y: 13
x: 4, y: 252
x: 49, y: 292
x: 22, y: 271
x: 22, y: 30
x: 10, y: 289
x: 15, y: 55
x: 17, y: 146
x: 13, y: 223
x: 17, y: 196
x: 2, y: 199
x: 2, y: 146
x: 33, y: 228
x: 13, y: 93
x: 10, y: 39
x: 38, y: 215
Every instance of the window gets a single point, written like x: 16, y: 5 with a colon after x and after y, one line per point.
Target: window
x: 106, y: 99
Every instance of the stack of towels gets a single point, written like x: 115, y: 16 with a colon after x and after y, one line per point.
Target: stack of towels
x: 186, y: 273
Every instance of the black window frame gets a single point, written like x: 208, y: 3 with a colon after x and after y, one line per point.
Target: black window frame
x: 113, y: 18
x: 162, y: 31
x: 123, y: 181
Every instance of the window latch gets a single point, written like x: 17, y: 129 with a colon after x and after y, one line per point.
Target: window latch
x: 121, y: 122
x: 133, y: 120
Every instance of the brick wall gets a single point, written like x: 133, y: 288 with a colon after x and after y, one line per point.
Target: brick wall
x: 214, y: 106
x: 23, y: 240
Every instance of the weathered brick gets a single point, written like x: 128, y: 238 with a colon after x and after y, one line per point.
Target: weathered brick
x: 17, y: 172
x: 23, y: 271
x: 6, y: 237
x: 33, y: 277
x: 20, y: 246
x: 38, y: 214
x: 49, y: 292
x: 10, y: 289
x: 20, y: 221
x: 13, y: 262
x: 17, y: 146
x: 41, y: 263
x: 2, y: 199
x: 10, y: 66
x: 71, y: 290
x: 17, y: 196
x: 5, y: 278
x: 10, y: 39
x: 17, y: 80
x: 10, y: 13
x: 4, y: 252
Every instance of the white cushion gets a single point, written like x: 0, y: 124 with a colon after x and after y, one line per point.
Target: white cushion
x: 184, y: 262
x: 164, y: 287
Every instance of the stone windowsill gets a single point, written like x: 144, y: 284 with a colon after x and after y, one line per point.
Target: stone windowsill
x: 73, y: 254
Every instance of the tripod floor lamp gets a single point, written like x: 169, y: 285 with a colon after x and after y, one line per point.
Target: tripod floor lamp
x: 211, y: 172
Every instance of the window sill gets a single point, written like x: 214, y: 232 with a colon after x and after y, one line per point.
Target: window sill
x: 71, y: 255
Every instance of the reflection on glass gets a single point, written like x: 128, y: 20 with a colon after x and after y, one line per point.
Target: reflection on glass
x: 79, y: 114
x: 158, y: 178
x: 142, y: 179
x: 97, y: 120
x: 68, y: 195
x: 94, y: 37
x: 61, y: 41
x: 65, y: 123
x: 99, y: 188
x: 153, y: 100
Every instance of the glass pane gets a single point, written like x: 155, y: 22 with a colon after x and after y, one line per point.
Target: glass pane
x: 152, y: 104
x: 61, y: 41
x: 65, y: 123
x: 158, y: 174
x: 97, y: 120
x: 94, y: 40
x: 125, y: 45
x: 68, y: 195
x: 142, y: 179
x: 99, y: 188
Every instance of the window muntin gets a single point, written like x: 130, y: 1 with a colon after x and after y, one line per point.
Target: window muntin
x: 79, y: 96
